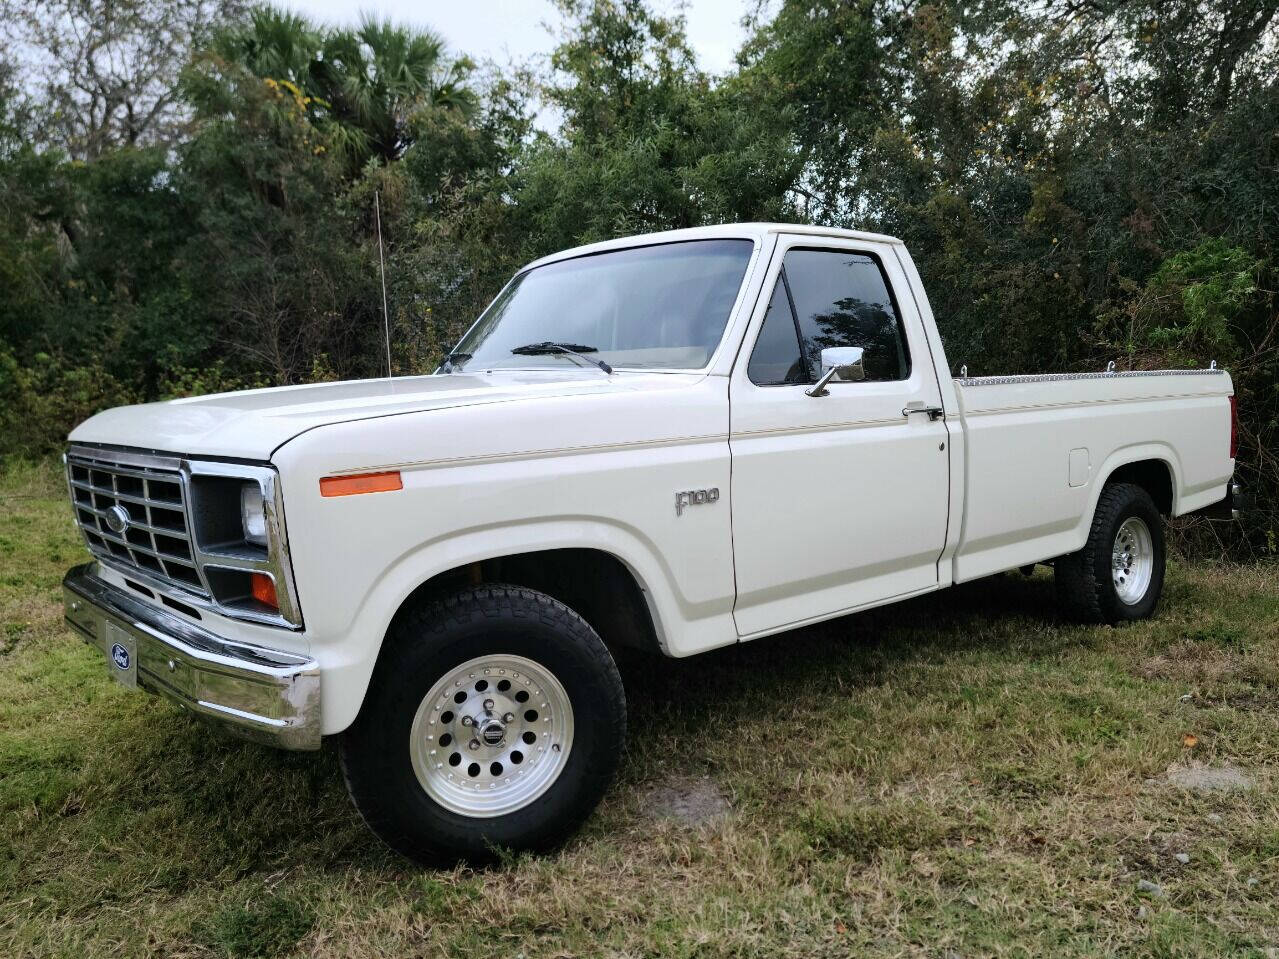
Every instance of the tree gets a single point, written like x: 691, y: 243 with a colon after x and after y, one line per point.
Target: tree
x: 272, y: 246
x: 106, y: 71
x: 365, y: 87
x: 378, y: 78
x: 647, y: 140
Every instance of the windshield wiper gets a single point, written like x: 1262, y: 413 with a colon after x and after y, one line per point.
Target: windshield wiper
x: 447, y: 362
x: 571, y: 349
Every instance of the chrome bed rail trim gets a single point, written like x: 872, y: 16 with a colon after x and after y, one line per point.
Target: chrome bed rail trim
x: 1056, y: 377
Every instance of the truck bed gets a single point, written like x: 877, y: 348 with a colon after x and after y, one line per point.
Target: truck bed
x: 1038, y: 449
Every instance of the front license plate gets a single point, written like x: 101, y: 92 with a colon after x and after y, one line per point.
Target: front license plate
x: 122, y: 656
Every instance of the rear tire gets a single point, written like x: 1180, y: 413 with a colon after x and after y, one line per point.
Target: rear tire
x: 1119, y: 574
x: 495, y: 721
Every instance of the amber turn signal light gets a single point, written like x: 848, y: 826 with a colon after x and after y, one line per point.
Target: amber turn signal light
x: 264, y: 590
x: 360, y: 483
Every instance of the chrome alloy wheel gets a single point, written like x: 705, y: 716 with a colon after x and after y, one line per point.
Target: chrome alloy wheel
x: 491, y: 736
x: 1132, y: 560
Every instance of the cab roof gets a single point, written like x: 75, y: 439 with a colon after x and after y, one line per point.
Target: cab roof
x: 726, y: 231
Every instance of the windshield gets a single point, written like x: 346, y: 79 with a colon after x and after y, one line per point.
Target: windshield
x: 649, y: 307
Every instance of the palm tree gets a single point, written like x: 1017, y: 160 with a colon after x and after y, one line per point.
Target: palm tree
x: 377, y: 78
x: 274, y: 44
x: 364, y: 87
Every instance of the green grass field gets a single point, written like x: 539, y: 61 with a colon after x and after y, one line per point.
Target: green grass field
x: 963, y: 775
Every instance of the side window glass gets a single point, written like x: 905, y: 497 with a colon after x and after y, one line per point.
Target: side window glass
x: 776, y: 361
x: 842, y: 299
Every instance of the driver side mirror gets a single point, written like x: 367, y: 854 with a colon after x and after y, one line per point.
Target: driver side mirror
x: 842, y: 364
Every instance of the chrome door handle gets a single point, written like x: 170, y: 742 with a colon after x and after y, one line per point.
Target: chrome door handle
x: 934, y: 412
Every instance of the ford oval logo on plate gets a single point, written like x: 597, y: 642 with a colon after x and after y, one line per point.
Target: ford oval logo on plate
x: 122, y: 654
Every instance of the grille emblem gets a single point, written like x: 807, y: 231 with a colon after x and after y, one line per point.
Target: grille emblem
x: 117, y: 518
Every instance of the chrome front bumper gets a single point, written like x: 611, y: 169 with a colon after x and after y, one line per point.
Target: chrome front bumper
x: 262, y: 694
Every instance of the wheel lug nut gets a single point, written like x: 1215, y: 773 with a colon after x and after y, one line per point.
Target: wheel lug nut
x: 474, y: 744
x: 488, y: 704
x: 468, y: 721
x: 508, y: 718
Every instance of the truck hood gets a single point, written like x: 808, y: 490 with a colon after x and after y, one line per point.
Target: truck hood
x: 252, y: 424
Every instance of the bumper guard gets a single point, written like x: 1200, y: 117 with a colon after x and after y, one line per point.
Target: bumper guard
x: 1228, y: 508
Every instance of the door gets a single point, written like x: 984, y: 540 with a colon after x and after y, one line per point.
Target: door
x: 839, y: 500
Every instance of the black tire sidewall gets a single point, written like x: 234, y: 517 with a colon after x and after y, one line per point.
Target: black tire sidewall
x: 1132, y: 501
x: 487, y: 621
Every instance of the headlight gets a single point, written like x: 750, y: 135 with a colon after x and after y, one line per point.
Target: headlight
x: 236, y: 519
x: 253, y: 514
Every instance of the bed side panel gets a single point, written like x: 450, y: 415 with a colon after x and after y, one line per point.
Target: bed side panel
x: 1039, y: 450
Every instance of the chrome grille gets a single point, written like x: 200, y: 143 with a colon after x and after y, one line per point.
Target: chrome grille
x: 155, y: 538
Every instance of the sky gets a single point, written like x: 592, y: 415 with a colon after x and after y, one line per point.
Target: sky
x: 507, y: 30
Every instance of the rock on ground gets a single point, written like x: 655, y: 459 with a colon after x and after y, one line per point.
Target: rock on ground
x: 688, y: 801
x: 1201, y: 778
x: 1150, y: 888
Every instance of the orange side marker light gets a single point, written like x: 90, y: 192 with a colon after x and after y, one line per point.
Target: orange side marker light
x: 361, y: 483
x: 264, y: 590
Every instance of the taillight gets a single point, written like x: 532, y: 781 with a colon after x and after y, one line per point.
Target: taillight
x: 1234, y: 427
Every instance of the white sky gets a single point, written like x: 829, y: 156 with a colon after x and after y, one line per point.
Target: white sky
x: 507, y: 30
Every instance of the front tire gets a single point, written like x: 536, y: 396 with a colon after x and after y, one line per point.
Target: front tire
x: 1119, y: 574
x: 495, y: 721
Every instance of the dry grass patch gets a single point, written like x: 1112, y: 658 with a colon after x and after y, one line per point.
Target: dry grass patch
x: 1192, y: 661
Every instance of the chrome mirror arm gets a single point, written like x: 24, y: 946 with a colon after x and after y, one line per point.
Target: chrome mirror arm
x: 819, y: 388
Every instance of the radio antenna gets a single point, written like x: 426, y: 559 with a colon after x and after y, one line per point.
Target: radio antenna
x: 381, y: 259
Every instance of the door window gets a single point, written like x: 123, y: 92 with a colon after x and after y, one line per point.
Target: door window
x: 828, y: 298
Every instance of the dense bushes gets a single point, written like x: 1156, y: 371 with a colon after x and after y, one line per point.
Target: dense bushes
x: 1079, y: 183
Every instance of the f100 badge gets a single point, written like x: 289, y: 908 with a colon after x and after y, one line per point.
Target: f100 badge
x: 695, y: 497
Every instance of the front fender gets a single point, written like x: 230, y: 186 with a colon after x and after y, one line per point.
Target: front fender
x: 681, y: 628
x: 479, y: 482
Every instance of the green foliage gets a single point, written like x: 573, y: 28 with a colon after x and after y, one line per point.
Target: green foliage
x: 216, y: 377
x: 261, y: 929
x: 362, y: 87
x: 272, y: 251
x: 42, y: 400
x: 647, y: 141
x: 1197, y: 297
x: 1077, y: 183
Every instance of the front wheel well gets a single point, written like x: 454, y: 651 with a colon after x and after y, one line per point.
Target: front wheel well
x: 1154, y: 476
x: 596, y: 585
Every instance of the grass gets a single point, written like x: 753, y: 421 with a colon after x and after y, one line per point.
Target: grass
x: 963, y: 775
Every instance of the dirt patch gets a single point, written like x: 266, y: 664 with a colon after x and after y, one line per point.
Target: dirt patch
x: 1201, y: 778
x: 1247, y: 700
x: 1154, y: 856
x: 1190, y: 661
x: 691, y: 802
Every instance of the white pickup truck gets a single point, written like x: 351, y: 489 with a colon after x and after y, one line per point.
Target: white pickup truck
x: 675, y: 442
